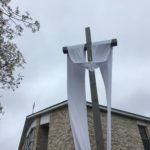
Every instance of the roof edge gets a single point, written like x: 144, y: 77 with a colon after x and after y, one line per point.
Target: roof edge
x: 115, y: 111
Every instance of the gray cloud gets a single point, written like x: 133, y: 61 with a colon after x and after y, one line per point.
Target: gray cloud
x: 62, y: 23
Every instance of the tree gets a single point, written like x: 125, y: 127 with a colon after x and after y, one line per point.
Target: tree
x: 12, y: 24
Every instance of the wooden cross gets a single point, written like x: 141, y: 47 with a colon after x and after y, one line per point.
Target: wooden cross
x: 93, y: 88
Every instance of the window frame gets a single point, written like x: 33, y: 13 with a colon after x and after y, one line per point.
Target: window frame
x: 143, y: 130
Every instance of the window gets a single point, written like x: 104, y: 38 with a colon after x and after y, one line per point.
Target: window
x: 144, y: 136
x: 30, y: 140
x: 43, y: 136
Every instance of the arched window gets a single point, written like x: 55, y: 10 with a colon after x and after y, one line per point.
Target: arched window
x: 30, y: 140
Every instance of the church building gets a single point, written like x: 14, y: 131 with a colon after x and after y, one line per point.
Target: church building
x: 49, y: 129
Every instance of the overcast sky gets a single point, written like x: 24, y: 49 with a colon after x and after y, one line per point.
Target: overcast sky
x: 62, y: 24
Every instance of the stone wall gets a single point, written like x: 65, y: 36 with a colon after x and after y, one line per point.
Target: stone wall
x: 60, y: 137
x: 42, y: 139
x: 125, y: 132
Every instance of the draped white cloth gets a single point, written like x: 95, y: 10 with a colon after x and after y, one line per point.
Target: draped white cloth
x: 102, y: 58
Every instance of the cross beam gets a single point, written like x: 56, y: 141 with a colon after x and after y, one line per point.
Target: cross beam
x: 113, y: 43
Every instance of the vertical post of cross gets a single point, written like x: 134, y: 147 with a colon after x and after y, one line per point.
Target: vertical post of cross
x: 94, y: 96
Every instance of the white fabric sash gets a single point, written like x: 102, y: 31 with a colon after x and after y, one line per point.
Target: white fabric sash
x: 102, y: 58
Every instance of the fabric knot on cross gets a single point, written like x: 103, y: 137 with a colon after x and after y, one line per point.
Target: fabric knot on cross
x: 91, y: 66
